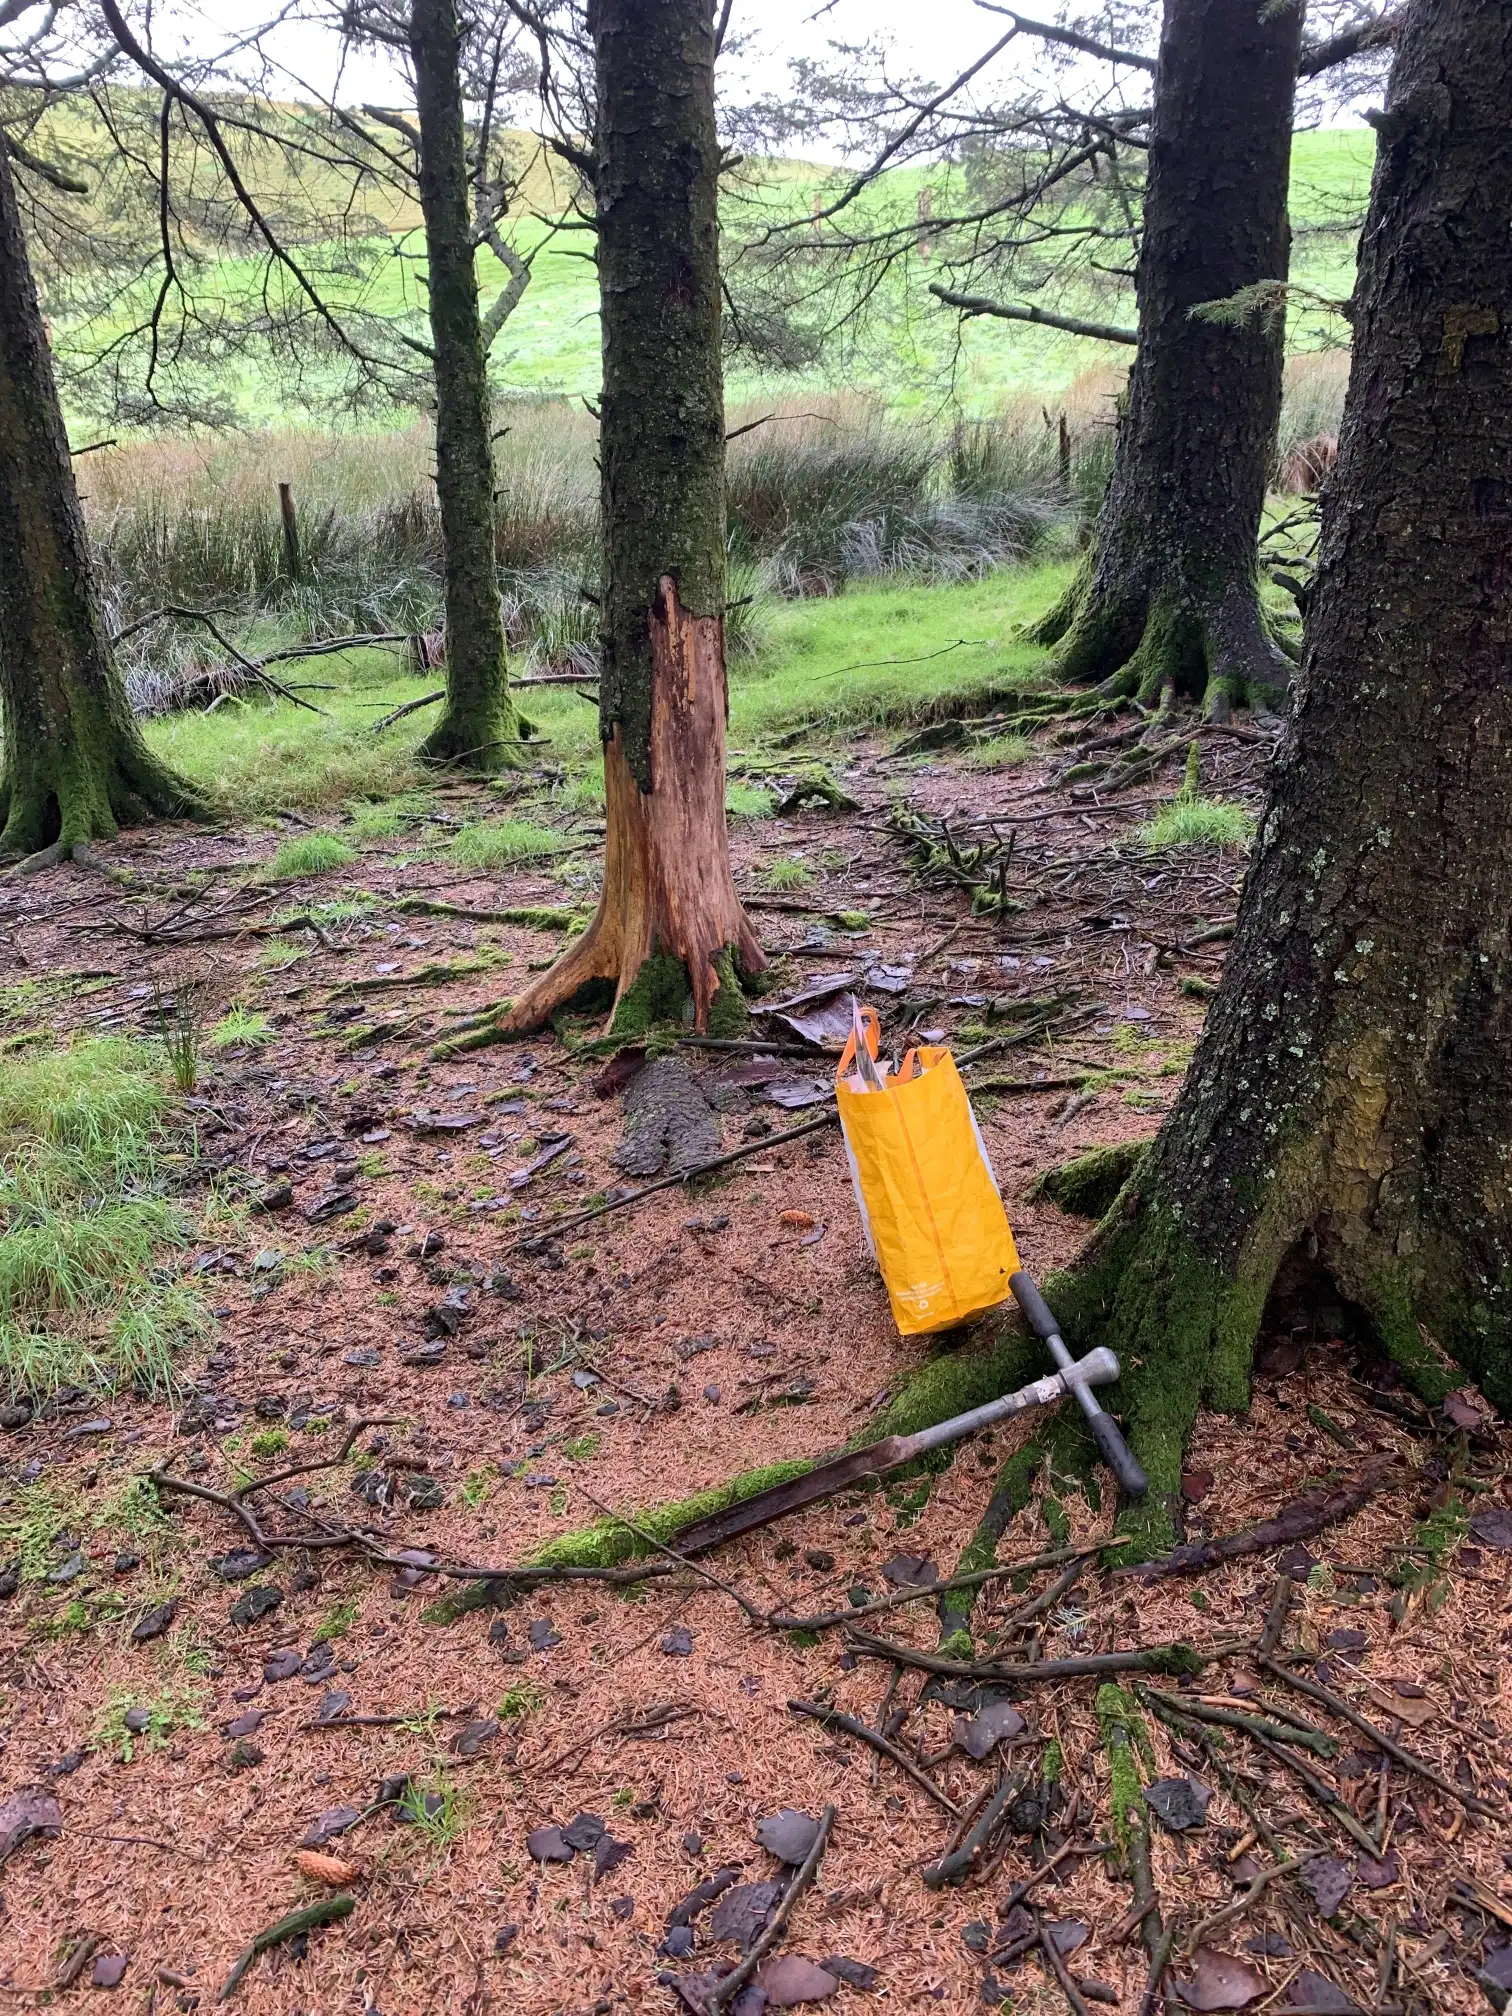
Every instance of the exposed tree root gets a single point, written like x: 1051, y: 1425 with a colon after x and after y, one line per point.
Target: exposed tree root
x: 1163, y: 644
x: 1087, y: 1185
x: 66, y: 797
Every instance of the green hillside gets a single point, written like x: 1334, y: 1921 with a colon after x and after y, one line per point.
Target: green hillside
x: 913, y: 356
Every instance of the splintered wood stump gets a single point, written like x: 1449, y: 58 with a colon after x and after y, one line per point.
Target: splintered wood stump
x: 668, y: 888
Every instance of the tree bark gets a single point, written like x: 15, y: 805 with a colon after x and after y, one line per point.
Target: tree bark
x: 478, y: 728
x: 669, y: 924
x: 1169, y: 595
x: 74, y: 764
x: 1347, y: 1121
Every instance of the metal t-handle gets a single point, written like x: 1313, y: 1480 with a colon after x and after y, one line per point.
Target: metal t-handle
x: 1105, y: 1431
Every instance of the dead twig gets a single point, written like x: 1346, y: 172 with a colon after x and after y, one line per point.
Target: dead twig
x: 963, y: 1859
x: 1408, y: 1759
x: 1242, y: 1903
x: 1059, y: 1969
x: 1173, y: 1659
x: 1304, y: 1736
x: 732, y: 1983
x: 660, y: 1546
x: 1301, y: 1520
x: 832, y: 1718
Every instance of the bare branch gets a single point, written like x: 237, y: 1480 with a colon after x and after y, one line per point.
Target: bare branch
x: 1045, y: 31
x: 972, y: 305
x: 1359, y: 41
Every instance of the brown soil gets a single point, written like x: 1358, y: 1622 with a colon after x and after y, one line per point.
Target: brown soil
x: 178, y: 1856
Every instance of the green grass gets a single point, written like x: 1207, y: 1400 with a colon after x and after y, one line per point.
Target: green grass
x: 789, y: 873
x: 500, y: 843
x: 241, y: 1026
x: 381, y: 821
x: 748, y: 801
x: 269, y: 1442
x: 311, y: 854
x: 1000, y: 752
x: 270, y: 756
x: 438, y: 1810
x: 884, y: 653
x: 1199, y: 822
x: 180, y: 1707
x: 86, y: 1212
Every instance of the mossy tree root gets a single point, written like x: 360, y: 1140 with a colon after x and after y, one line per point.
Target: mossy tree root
x: 1185, y: 1327
x: 1155, y: 645
x: 480, y: 734
x: 952, y: 1383
x: 56, y: 800
x: 1088, y: 1184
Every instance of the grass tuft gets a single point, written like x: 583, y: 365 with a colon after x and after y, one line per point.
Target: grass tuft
x: 1003, y: 752
x: 85, y: 1211
x: 245, y: 1027
x: 789, y: 873
x: 1199, y: 822
x: 311, y: 854
x: 501, y: 842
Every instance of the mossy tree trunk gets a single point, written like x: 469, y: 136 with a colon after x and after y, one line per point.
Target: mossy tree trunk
x: 478, y: 728
x: 74, y: 764
x: 669, y: 899
x: 1348, y: 1114
x: 1168, y: 597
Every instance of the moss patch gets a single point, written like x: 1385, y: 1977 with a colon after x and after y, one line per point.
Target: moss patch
x: 610, y: 1541
x: 1087, y: 1185
x: 1124, y: 1737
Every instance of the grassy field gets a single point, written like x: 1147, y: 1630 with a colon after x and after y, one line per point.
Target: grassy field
x: 889, y: 651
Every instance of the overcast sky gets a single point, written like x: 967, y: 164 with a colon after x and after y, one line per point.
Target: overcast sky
x: 932, y: 38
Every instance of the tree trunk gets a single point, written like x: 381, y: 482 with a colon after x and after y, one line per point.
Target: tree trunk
x: 74, y: 764
x: 478, y: 728
x: 1346, y: 1126
x: 1169, y: 596
x: 669, y: 917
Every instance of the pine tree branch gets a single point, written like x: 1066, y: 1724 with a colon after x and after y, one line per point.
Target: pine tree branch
x: 972, y: 305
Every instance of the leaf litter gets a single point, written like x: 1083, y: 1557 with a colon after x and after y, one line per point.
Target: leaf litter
x: 567, y: 1371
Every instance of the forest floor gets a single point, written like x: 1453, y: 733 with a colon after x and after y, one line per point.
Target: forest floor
x: 377, y: 1246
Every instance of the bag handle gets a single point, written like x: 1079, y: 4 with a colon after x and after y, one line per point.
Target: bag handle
x: 871, y: 1024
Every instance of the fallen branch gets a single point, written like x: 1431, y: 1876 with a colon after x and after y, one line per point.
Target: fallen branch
x: 1035, y: 1877
x: 1304, y: 1736
x: 1304, y: 1518
x: 827, y: 1620
x: 543, y: 917
x: 962, y: 1860
x: 1059, y: 1969
x: 833, y: 1718
x: 1408, y: 1759
x: 409, y: 707
x: 1175, y: 1659
x: 732, y: 1983
x: 324, y: 1911
x: 1242, y: 1903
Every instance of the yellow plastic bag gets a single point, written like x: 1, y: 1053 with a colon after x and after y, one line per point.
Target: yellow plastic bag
x: 929, y: 1201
